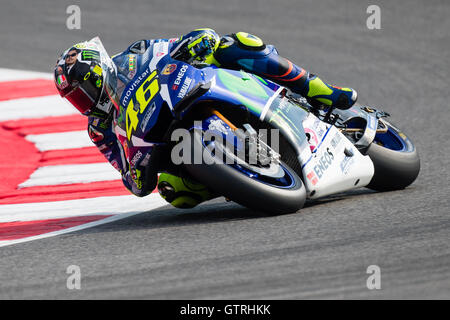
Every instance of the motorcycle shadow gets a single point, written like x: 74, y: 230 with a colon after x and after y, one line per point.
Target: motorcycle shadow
x: 213, y: 211
x: 338, y: 197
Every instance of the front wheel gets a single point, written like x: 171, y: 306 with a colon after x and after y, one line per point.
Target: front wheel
x: 395, y: 159
x: 275, y: 189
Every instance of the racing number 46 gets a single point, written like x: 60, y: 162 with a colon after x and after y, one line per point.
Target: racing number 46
x: 144, y: 94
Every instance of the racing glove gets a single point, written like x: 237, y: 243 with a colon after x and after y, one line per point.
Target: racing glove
x: 141, y: 179
x: 134, y: 181
x: 198, y: 45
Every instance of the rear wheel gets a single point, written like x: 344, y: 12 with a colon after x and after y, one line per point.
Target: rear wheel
x: 395, y: 159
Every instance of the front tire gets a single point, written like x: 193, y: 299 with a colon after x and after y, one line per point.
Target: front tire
x: 241, y: 187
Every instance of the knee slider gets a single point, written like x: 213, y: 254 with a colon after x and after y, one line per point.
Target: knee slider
x: 248, y: 41
x: 181, y: 193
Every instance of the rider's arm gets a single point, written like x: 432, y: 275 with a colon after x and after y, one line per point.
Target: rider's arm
x: 101, y: 133
x: 196, y: 46
x: 137, y: 180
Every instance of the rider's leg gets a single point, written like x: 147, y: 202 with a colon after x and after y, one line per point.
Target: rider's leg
x: 248, y: 52
x: 182, y: 192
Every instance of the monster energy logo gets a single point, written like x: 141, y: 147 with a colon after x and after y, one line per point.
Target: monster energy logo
x: 90, y: 55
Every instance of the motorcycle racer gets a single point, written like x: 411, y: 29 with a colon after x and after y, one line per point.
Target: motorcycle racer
x: 82, y: 79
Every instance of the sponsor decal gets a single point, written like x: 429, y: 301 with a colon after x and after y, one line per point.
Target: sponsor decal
x: 145, y: 161
x: 316, y: 123
x: 90, y: 55
x: 133, y: 86
x: 61, y: 81
x: 131, y: 74
x: 85, y: 45
x: 147, y: 116
x: 132, y: 66
x: 131, y: 62
x: 143, y: 96
x: 312, y: 138
x: 325, y: 161
x: 168, y: 69
x: 97, y: 70
x: 346, y: 164
x: 320, y: 132
x: 335, y: 141
x: 180, y: 76
x: 312, y: 177
x: 184, y: 88
x: 136, y: 157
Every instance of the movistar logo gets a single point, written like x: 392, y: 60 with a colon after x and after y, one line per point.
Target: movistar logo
x: 133, y: 86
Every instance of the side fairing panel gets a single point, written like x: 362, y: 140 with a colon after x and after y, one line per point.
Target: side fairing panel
x: 335, y: 164
x: 330, y: 162
x: 240, y: 88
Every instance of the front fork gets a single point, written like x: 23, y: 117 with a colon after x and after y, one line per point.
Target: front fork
x: 248, y: 138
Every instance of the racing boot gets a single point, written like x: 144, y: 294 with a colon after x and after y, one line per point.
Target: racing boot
x: 182, y: 193
x: 320, y: 94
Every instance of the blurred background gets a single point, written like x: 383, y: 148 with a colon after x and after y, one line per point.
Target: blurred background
x: 326, y: 37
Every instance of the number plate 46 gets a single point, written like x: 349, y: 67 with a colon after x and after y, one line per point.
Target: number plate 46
x: 143, y: 95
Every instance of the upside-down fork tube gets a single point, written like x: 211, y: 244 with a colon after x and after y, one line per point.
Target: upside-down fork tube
x: 224, y: 119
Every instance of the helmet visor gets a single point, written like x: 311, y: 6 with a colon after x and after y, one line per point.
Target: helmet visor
x: 84, y: 97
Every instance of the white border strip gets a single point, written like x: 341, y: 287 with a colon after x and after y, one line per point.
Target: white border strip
x: 13, y: 75
x: 38, y: 107
x: 154, y: 202
x: 61, y: 140
x: 71, y: 174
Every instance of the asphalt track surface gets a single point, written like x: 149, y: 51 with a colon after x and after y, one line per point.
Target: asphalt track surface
x: 221, y: 250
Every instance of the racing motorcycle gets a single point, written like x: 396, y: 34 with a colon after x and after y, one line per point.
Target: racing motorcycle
x: 259, y: 144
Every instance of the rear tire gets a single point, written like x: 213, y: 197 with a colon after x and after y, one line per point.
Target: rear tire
x: 394, y: 169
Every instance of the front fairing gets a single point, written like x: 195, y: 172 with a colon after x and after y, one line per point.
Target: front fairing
x: 146, y: 84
